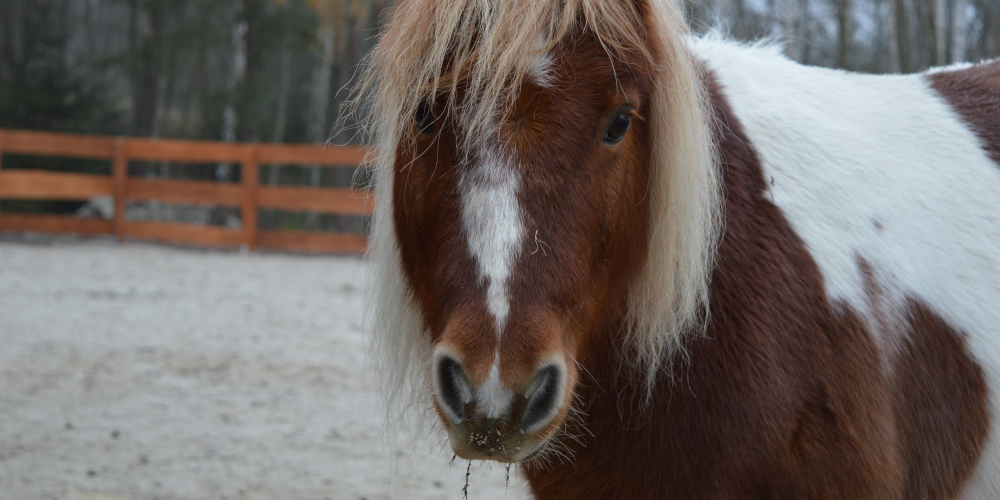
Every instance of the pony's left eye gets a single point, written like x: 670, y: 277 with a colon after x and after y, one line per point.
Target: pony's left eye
x: 424, y: 118
x: 616, y: 131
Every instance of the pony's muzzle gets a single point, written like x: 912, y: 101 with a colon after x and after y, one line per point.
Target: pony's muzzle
x: 492, y: 422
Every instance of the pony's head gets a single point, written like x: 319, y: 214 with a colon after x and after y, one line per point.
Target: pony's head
x: 544, y: 180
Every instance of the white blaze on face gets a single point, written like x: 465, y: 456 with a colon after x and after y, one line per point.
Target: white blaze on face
x: 492, y: 220
x: 541, y: 71
x: 494, y: 398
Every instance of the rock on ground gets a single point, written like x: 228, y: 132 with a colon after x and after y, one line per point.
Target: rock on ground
x: 147, y: 372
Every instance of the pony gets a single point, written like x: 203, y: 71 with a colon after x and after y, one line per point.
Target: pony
x: 642, y: 264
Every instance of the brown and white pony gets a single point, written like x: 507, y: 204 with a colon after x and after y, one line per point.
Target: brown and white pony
x: 645, y: 265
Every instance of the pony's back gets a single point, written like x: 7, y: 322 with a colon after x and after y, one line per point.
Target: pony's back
x: 893, y: 185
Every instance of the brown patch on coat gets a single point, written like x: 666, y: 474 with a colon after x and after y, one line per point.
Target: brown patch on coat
x: 940, y: 403
x: 974, y: 93
x: 939, y: 391
x: 785, y: 397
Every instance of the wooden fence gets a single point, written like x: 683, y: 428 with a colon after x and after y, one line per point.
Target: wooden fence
x: 249, y: 195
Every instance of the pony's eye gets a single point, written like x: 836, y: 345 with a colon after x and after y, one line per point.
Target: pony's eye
x: 618, y: 127
x: 424, y: 118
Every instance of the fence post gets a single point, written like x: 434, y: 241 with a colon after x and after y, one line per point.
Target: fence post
x: 119, y: 177
x: 249, y: 207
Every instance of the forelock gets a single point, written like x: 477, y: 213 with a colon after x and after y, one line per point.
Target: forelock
x: 486, y: 49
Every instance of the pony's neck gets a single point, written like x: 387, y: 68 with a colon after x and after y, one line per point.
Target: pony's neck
x: 618, y: 415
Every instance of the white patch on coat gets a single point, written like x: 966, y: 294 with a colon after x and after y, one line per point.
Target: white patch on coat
x: 841, y: 151
x: 493, y: 226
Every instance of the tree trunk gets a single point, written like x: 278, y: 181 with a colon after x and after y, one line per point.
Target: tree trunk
x: 843, y: 32
x: 935, y: 12
x: 794, y: 17
x: 320, y: 95
x: 146, y: 76
x: 959, y: 27
x: 739, y: 17
x: 773, y: 18
x: 17, y: 31
x: 160, y: 101
x: 147, y: 68
x: 249, y: 126
x: 319, y: 101
x: 281, y: 111
x: 892, y: 39
x: 85, y: 31
x: 165, y: 99
x: 199, y: 84
x: 94, y: 14
x: 883, y: 56
x: 237, y: 70
x: 804, y: 33
x: 991, y: 29
x: 903, y: 37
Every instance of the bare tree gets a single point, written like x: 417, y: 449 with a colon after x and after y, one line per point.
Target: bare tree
x: 843, y: 32
x: 17, y: 31
x: 935, y: 31
x: 795, y: 16
x: 237, y: 71
x: 320, y: 96
x: 281, y: 109
x: 959, y: 30
x: 903, y: 36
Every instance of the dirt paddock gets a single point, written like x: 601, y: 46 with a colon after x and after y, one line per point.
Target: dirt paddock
x: 138, y: 371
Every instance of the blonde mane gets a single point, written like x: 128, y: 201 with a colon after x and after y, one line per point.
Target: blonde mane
x: 430, y: 47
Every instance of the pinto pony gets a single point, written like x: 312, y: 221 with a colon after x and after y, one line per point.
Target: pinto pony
x: 645, y: 265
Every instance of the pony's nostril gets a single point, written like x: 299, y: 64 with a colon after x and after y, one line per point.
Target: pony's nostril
x: 543, y: 398
x: 452, y: 387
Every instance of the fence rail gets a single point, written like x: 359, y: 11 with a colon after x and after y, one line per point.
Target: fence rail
x: 248, y: 195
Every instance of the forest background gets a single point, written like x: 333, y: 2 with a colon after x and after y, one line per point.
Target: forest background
x: 279, y: 70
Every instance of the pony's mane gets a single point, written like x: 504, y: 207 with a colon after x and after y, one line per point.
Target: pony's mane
x: 431, y: 47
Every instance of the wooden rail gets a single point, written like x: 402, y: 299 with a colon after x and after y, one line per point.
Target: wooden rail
x: 248, y: 195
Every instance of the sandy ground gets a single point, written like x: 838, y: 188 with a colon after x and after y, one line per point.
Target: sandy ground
x: 147, y: 372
